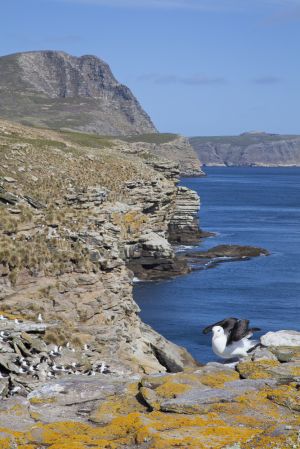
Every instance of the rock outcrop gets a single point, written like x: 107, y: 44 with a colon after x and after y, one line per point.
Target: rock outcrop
x: 171, y: 147
x: 201, y: 260
x: 253, y: 405
x: 184, y: 224
x: 56, y: 90
x: 73, y: 221
x: 248, y: 149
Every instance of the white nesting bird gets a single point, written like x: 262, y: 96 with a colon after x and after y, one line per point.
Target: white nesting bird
x: 232, y: 338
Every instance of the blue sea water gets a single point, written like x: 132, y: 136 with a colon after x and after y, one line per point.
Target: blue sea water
x: 247, y: 206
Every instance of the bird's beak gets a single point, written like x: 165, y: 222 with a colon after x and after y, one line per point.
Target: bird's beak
x: 207, y: 329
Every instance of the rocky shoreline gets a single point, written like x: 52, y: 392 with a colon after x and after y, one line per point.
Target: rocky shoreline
x: 79, y: 369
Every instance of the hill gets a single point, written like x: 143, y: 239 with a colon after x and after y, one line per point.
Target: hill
x: 56, y: 90
x: 248, y: 149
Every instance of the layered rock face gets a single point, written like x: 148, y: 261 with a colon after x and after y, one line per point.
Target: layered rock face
x: 184, y: 224
x: 56, y: 90
x: 72, y: 221
x: 171, y: 147
x: 248, y: 149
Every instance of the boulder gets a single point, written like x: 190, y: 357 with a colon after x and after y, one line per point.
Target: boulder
x: 281, y: 338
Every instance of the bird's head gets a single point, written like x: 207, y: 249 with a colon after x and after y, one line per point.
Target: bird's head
x: 218, y: 331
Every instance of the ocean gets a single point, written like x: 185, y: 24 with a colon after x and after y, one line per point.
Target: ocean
x: 246, y: 206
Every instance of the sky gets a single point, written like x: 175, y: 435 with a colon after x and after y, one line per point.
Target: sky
x: 198, y: 67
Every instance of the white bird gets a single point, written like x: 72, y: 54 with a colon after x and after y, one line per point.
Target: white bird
x: 231, y: 338
x: 226, y: 350
x: 15, y: 390
x: 40, y: 318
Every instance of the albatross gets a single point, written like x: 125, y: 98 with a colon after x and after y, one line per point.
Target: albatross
x: 232, y: 338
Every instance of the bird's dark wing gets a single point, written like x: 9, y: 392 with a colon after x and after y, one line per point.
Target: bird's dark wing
x: 239, y: 331
x: 227, y: 324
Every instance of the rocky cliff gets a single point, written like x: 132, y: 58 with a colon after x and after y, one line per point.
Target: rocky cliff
x: 56, y: 90
x: 172, y: 147
x: 59, y: 91
x: 74, y: 219
x: 78, y: 368
x: 248, y: 149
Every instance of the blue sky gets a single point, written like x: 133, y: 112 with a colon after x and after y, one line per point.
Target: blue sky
x: 198, y: 67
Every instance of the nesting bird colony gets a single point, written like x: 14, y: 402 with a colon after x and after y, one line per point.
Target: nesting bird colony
x: 26, y: 359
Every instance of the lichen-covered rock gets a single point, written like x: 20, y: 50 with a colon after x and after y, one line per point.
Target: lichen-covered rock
x: 110, y: 412
x: 269, y: 369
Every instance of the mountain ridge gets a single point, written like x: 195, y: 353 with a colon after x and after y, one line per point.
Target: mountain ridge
x: 248, y: 149
x: 56, y: 90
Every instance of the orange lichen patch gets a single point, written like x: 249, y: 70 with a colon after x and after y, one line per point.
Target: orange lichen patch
x: 11, y: 316
x: 253, y: 410
x: 170, y: 389
x: 122, y: 430
x: 118, y: 405
x: 184, y: 378
x: 286, y: 396
x: 150, y: 397
x: 15, y: 410
x: 156, y: 429
x: 27, y: 446
x: 257, y: 370
x: 289, y: 441
x: 295, y: 371
x: 217, y: 380
x: 41, y: 401
x: 68, y: 446
x: 165, y: 421
x: 5, y: 443
x: 8, y: 433
x: 194, y: 433
x: 258, y: 402
x: 167, y: 431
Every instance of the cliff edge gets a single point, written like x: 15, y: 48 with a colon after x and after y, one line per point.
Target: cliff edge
x: 249, y: 149
x: 77, y: 213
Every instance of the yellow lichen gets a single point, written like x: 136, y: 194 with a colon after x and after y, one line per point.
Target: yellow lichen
x: 39, y: 401
x: 118, y: 405
x: 171, y: 389
x: 260, y: 369
x: 217, y: 380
